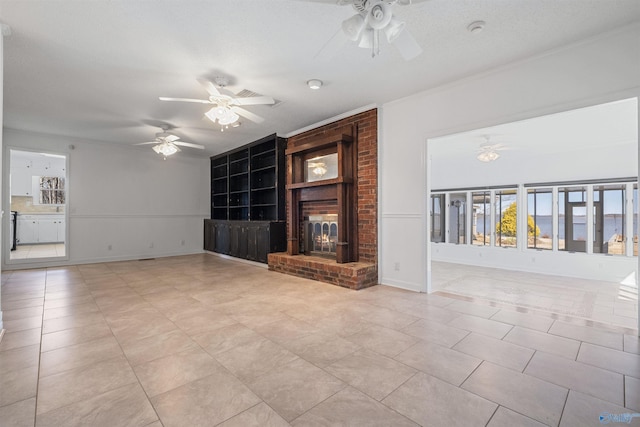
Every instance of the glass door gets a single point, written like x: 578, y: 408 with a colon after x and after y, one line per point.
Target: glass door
x: 576, y: 227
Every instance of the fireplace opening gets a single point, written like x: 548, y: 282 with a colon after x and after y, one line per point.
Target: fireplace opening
x: 321, y: 235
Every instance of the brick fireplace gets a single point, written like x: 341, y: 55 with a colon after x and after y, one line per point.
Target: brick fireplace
x: 332, y: 204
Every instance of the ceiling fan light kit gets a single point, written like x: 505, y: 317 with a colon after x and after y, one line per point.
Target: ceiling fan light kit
x: 379, y: 15
x: 223, y: 115
x: 353, y: 26
x: 374, y: 16
x: 166, y: 149
x: 488, y: 156
x: 489, y: 152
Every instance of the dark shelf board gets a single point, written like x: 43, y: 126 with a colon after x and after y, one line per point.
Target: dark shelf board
x: 254, y: 170
x: 264, y: 153
x: 243, y: 159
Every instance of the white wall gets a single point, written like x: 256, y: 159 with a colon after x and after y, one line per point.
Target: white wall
x: 1, y: 147
x: 124, y: 202
x: 600, y: 69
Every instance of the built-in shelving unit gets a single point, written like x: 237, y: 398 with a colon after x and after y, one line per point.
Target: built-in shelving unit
x: 219, y: 187
x: 248, y: 185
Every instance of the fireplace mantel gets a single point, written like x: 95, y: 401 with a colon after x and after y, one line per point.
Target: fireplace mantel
x: 319, y: 183
x: 319, y: 143
x: 339, y: 189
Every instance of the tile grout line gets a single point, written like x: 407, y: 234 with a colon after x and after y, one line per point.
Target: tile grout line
x: 566, y: 399
x: 578, y: 352
x: 44, y: 296
x: 493, y: 415
x: 535, y: 351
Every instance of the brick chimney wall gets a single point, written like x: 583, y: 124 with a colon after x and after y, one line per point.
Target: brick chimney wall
x: 363, y: 126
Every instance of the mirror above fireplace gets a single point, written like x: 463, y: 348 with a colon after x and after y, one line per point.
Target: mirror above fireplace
x: 321, y: 167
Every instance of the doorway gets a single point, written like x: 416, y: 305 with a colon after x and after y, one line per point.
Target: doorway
x: 575, y: 227
x: 38, y: 206
x: 585, y: 203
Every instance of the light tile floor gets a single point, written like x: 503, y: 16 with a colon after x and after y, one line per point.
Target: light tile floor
x: 45, y: 250
x: 604, y: 302
x: 205, y: 341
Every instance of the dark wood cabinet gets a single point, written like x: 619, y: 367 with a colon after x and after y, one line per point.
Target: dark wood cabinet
x: 248, y: 201
x: 252, y: 240
x: 209, y: 235
x: 238, y: 244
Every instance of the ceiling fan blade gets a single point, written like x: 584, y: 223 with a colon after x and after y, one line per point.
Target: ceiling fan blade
x: 407, y: 45
x: 247, y: 114
x: 210, y: 87
x: 200, y: 101
x: 254, y: 100
x: 147, y: 143
x: 188, y: 144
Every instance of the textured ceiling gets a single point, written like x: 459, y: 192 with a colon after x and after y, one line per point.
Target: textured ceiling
x: 95, y: 69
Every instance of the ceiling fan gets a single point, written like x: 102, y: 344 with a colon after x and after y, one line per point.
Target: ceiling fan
x: 167, y: 143
x: 488, y: 152
x: 374, y: 17
x: 226, y: 106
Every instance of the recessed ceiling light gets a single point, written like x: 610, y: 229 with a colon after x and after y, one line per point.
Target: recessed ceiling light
x: 476, y: 26
x: 314, y: 84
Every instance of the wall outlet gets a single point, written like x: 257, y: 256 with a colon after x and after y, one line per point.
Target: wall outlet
x: 181, y: 242
x: 108, y: 247
x: 151, y: 245
x: 396, y: 266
